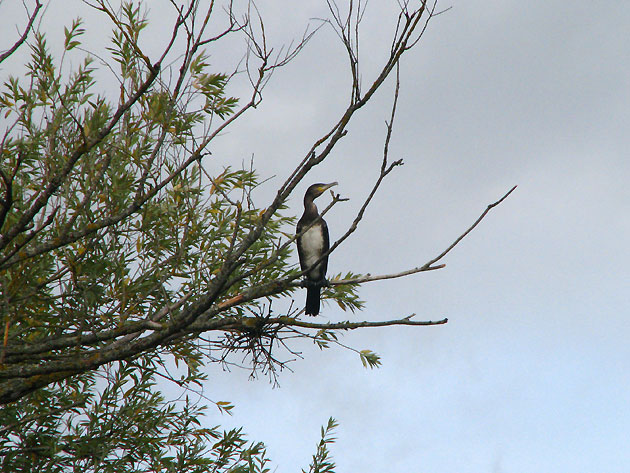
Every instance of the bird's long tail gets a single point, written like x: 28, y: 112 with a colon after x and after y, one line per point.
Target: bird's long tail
x: 312, y: 300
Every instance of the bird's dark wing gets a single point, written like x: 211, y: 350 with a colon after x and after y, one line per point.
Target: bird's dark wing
x: 324, y: 263
x: 298, y: 230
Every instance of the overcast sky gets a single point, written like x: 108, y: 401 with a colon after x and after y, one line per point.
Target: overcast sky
x: 531, y: 372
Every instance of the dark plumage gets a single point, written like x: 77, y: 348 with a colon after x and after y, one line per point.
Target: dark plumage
x: 312, y: 244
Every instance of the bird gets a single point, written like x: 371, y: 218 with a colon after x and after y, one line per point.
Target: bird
x: 312, y: 244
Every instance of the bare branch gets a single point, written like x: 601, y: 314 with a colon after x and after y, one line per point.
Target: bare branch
x: 275, y: 287
x: 384, y: 171
x: 246, y: 323
x: 470, y: 229
x: 355, y: 325
x: 18, y: 43
x: 428, y: 266
x: 330, y: 139
x: 370, y: 278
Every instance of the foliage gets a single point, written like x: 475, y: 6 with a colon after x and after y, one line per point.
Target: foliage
x: 123, y: 425
x: 321, y: 460
x: 344, y: 295
x: 128, y: 258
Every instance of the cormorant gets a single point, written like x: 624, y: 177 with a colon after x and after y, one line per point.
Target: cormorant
x: 312, y: 244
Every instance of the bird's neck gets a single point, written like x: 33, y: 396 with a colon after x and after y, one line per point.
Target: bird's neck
x: 310, y: 208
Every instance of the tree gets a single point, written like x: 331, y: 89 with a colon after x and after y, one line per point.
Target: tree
x: 127, y: 258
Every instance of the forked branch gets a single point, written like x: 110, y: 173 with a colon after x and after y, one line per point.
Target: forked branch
x: 429, y: 265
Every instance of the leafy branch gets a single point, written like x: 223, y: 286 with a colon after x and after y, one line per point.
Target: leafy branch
x: 322, y: 462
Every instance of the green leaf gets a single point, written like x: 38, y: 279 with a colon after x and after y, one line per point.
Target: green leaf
x: 369, y: 359
x: 72, y: 33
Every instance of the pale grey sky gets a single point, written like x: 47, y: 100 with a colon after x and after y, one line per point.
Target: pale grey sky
x: 531, y: 372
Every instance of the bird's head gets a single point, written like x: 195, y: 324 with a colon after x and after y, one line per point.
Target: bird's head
x: 318, y: 189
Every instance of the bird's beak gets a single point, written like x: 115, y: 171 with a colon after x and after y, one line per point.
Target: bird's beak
x: 325, y: 187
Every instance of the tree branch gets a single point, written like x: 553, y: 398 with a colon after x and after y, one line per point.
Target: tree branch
x: 429, y: 265
x: 248, y: 324
x: 470, y: 229
x: 18, y: 43
x: 369, y: 278
x: 278, y: 286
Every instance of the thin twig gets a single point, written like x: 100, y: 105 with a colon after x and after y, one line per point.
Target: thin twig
x: 470, y: 229
x: 18, y: 43
x: 380, y: 277
x: 428, y: 266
